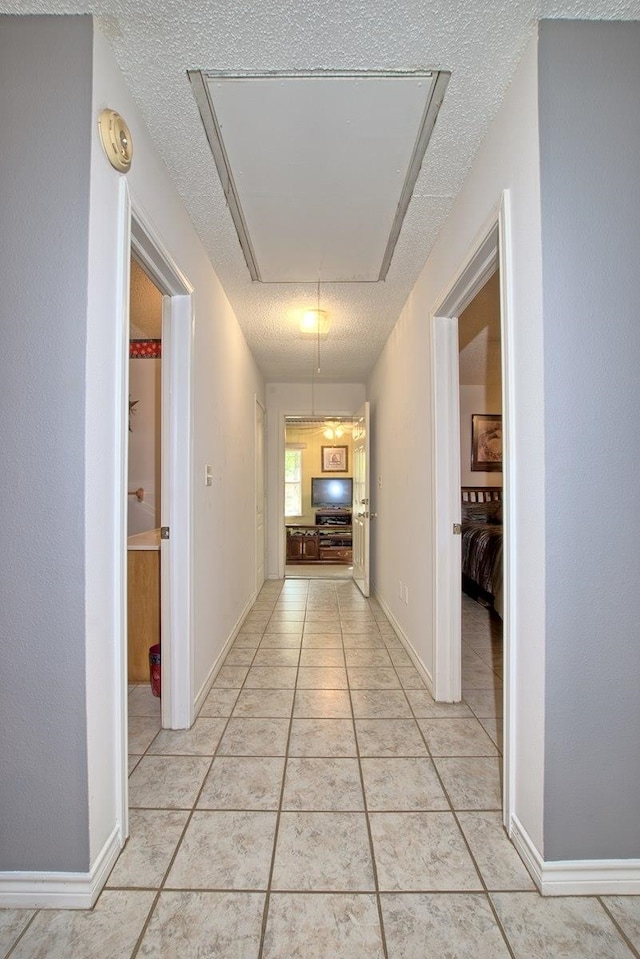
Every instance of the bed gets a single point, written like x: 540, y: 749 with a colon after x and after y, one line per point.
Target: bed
x: 482, y: 571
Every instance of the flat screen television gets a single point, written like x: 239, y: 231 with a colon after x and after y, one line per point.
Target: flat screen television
x: 332, y: 491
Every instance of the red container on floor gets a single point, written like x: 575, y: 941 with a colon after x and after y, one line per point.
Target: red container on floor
x: 154, y: 669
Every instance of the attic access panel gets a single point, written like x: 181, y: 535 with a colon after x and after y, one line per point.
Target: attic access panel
x: 319, y: 168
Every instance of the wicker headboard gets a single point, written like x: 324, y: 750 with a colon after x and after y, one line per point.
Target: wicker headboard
x: 481, y: 494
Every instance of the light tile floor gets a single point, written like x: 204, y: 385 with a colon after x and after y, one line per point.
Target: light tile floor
x: 324, y: 806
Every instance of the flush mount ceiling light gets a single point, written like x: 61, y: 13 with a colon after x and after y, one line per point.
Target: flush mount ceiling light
x: 264, y: 131
x: 314, y: 321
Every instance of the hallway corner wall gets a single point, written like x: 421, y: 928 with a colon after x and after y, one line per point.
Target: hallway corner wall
x: 400, y: 390
x: 62, y: 391
x: 225, y: 379
x: 45, y: 84
x: 590, y: 192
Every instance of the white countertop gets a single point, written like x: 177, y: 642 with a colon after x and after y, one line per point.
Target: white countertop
x: 150, y: 539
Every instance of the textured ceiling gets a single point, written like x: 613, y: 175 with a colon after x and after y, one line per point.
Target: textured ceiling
x: 156, y: 41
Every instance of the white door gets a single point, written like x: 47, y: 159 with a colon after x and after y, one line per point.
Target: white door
x: 259, y: 487
x: 361, y: 517
x: 168, y: 653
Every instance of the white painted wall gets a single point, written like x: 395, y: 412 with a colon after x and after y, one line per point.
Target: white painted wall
x: 400, y: 392
x: 302, y: 399
x: 476, y: 399
x: 225, y: 379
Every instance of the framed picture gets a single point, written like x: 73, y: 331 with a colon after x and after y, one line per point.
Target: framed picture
x: 486, y: 442
x: 335, y: 459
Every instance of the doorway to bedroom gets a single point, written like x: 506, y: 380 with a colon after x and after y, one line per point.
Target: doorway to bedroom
x: 480, y: 409
x: 487, y: 680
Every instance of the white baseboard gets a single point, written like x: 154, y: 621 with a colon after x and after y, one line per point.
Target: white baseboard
x: 425, y: 675
x: 215, y: 669
x: 60, y: 890
x: 579, y: 877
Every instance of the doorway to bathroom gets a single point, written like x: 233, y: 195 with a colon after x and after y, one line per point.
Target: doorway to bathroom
x: 168, y: 471
x: 143, y: 504
x: 141, y: 243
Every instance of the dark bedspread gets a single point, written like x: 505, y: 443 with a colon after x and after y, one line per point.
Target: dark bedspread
x: 482, y: 555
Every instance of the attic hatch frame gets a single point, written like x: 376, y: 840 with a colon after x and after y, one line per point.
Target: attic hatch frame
x: 198, y: 79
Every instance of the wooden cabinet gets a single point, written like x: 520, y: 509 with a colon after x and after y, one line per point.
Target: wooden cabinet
x: 302, y: 544
x: 143, y: 610
x: 319, y: 544
x: 310, y: 547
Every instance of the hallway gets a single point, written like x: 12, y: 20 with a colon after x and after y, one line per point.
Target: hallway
x: 324, y: 806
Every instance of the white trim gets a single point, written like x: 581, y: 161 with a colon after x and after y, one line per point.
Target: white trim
x: 425, y: 675
x: 282, y: 534
x: 61, y: 890
x: 447, y: 607
x: 215, y: 669
x: 480, y: 264
x: 121, y: 408
x: 509, y: 630
x: 260, y: 561
x: 579, y: 877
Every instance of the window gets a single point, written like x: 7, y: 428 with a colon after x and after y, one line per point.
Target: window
x: 293, y: 482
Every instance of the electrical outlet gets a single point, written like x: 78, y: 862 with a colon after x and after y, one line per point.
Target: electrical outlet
x: 208, y: 474
x: 379, y: 482
x: 400, y: 589
x: 406, y: 595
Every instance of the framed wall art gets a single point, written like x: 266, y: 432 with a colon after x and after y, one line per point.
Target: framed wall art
x: 335, y: 459
x: 486, y: 442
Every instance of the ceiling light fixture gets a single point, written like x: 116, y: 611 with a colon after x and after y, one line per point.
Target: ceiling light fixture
x: 313, y: 321
x: 333, y: 431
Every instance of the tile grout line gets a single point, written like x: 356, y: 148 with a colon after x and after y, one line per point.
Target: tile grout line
x: 484, y: 891
x: 487, y: 893
x: 374, y: 866
x: 625, y: 938
x: 13, y: 948
x: 189, y: 819
x: 162, y: 885
x: 267, y: 898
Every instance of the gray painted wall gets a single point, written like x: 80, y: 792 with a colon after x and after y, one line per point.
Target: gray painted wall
x: 45, y: 109
x: 589, y: 82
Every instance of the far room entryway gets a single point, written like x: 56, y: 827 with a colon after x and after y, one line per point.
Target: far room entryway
x: 318, y: 497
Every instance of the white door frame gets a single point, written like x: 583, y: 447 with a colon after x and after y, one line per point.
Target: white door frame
x: 138, y: 236
x: 490, y: 251
x: 257, y: 465
x: 361, y: 518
